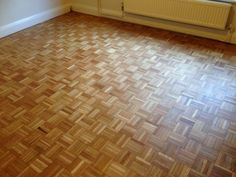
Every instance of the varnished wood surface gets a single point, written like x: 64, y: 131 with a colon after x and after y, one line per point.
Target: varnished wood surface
x: 82, y: 96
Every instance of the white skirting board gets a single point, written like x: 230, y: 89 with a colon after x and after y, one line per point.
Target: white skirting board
x: 33, y: 20
x: 111, y: 13
x: 179, y: 27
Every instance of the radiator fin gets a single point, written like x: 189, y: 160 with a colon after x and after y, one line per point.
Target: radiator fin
x: 197, y: 12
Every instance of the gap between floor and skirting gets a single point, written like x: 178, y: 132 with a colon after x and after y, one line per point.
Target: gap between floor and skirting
x: 33, y: 20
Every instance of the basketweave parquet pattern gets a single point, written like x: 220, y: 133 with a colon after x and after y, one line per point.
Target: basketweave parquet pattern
x: 83, y: 96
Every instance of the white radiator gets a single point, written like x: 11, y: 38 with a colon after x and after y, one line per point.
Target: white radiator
x: 197, y: 12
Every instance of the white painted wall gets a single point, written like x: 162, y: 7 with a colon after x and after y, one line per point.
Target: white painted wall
x: 13, y: 10
x: 16, y: 15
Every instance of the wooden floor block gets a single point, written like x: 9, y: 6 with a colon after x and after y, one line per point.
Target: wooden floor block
x: 87, y: 96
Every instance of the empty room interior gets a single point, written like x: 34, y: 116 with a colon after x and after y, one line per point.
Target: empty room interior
x: 117, y: 88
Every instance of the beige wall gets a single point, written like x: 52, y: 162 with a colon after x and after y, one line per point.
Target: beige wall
x: 233, y: 40
x: 86, y: 6
x: 88, y: 3
x: 111, y: 8
x: 13, y: 10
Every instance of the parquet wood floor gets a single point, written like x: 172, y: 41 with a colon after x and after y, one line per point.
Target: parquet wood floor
x: 83, y: 96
